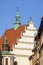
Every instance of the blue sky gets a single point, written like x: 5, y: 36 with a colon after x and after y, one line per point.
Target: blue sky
x: 27, y: 8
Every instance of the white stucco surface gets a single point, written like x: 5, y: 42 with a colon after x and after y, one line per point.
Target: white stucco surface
x: 25, y: 44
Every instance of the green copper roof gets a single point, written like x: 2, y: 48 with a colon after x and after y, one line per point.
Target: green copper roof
x: 5, y: 40
x: 6, y: 53
x: 17, y: 14
x: 17, y: 21
x: 17, y: 18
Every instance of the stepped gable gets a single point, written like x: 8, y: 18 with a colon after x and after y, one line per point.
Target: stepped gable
x: 12, y: 35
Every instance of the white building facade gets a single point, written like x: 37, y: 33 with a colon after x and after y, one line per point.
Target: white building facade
x: 25, y: 44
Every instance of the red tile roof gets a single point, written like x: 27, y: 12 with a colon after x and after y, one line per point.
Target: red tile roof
x: 12, y: 36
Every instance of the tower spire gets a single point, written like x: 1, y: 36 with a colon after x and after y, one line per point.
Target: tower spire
x: 17, y: 14
x: 5, y: 39
x: 31, y: 22
x: 17, y: 21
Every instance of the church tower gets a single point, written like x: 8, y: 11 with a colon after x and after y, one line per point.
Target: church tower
x: 17, y: 22
x: 7, y: 57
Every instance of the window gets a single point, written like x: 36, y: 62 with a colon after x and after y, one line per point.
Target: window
x: 6, y: 61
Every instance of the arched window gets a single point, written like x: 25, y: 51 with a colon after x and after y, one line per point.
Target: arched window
x: 6, y: 61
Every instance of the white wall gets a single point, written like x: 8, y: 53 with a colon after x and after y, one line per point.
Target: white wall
x: 25, y: 45
x: 22, y: 52
x: 22, y: 61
